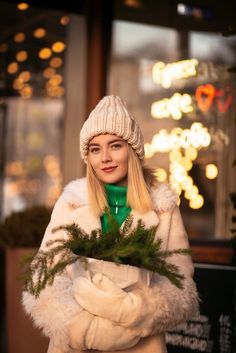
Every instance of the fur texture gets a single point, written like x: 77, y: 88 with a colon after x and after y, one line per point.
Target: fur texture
x: 163, y: 304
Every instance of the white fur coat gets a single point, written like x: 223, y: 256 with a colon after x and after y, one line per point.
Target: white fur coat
x: 167, y: 305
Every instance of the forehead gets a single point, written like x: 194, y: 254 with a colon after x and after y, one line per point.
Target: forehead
x: 105, y: 138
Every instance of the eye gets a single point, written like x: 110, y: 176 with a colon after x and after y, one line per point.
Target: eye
x: 116, y: 146
x: 94, y: 149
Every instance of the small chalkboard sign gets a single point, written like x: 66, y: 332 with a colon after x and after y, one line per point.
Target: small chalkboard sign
x: 214, y: 331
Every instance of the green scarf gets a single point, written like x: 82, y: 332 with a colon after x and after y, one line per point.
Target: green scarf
x: 117, y: 201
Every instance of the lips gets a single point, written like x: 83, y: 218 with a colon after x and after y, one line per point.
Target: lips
x: 108, y: 169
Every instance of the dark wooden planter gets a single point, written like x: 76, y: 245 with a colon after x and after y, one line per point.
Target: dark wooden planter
x: 22, y: 336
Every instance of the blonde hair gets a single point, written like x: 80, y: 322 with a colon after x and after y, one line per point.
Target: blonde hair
x: 140, y: 179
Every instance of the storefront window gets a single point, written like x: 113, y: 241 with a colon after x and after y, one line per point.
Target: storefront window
x: 178, y: 86
x: 32, y: 100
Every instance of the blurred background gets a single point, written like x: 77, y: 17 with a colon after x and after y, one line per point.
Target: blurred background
x: 174, y: 65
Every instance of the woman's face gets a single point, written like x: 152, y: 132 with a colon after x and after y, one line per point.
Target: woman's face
x: 108, y: 156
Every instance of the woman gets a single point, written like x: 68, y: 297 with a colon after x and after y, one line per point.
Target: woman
x: 96, y: 314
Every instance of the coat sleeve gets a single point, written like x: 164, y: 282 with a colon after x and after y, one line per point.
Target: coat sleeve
x: 59, y: 315
x: 55, y: 304
x: 165, y: 305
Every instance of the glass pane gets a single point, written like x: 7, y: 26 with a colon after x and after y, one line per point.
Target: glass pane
x: 178, y: 86
x: 32, y: 61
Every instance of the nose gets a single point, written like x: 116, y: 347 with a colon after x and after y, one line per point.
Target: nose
x: 106, y: 157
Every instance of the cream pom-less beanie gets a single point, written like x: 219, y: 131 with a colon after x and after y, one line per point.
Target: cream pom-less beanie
x: 110, y: 116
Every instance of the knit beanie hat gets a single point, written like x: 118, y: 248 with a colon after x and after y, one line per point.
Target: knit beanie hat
x: 110, y: 116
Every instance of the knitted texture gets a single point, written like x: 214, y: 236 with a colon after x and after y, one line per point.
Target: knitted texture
x: 111, y: 116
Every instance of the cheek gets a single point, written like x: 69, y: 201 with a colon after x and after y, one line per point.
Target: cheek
x: 93, y: 161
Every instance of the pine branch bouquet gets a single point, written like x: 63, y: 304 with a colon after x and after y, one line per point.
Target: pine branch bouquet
x: 135, y: 247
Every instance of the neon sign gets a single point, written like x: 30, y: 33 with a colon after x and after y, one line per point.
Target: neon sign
x: 197, y: 136
x: 206, y: 94
x: 172, y: 107
x: 163, y: 74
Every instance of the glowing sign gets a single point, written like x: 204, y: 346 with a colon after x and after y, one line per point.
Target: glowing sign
x: 196, y: 137
x: 163, y: 74
x: 172, y: 107
x: 183, y: 146
x: 206, y: 94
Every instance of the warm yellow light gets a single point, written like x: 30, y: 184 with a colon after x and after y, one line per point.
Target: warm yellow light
x: 196, y: 202
x: 48, y: 72
x: 161, y: 174
x: 40, y: 33
x: 176, y: 186
x: 191, y: 193
x: 185, y: 138
x: 211, y: 171
x: 188, y: 139
x: 65, y: 20
x: 56, y: 62
x: 160, y: 141
x: 133, y: 3
x: 15, y: 168
x: 58, y: 47
x: 19, y: 37
x: 45, y: 53
x: 191, y: 153
x: 157, y: 72
x: 26, y: 91
x: 179, y: 173
x: 22, y: 56
x: 60, y: 91
x: 22, y: 6
x: 175, y: 155
x: 55, y: 91
x: 187, y: 163
x: 25, y: 76
x: 55, y: 80
x: 51, y: 165
x: 173, y: 166
x: 18, y: 84
x: 172, y: 107
x: 164, y: 74
x: 12, y: 68
x: 187, y: 183
x: 148, y: 150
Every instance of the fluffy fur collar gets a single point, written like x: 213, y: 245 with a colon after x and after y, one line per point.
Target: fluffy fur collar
x: 164, y: 198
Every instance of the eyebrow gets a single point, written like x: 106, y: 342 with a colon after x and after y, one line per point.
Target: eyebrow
x: 109, y: 143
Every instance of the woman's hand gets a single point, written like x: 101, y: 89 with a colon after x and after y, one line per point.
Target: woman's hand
x: 103, y: 298
x: 86, y: 331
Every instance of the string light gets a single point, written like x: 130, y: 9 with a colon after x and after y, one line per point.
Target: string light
x: 40, y: 33
x: 48, y: 72
x: 196, y: 202
x: 65, y: 20
x: 211, y: 171
x: 45, y: 53
x: 19, y: 37
x: 25, y: 76
x: 22, y: 6
x: 12, y: 68
x: 58, y: 47
x: 56, y: 62
x: 22, y: 56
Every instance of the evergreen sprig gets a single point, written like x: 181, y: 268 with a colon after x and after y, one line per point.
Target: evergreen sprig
x: 135, y: 247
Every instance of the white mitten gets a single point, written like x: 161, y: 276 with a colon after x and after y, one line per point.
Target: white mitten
x: 102, y: 297
x: 77, y: 328
x: 104, y: 335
